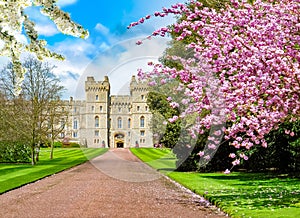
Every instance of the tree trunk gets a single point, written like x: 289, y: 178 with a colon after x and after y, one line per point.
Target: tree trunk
x: 37, y: 153
x: 52, y: 148
x: 32, y: 155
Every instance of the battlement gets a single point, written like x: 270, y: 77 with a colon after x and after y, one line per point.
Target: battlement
x: 96, y: 86
x: 120, y: 100
x: 136, y: 86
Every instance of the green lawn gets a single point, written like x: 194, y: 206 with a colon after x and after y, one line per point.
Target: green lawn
x: 238, y: 194
x: 160, y: 159
x: 15, y: 175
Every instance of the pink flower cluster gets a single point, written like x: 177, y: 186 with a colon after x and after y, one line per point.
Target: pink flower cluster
x: 245, y: 70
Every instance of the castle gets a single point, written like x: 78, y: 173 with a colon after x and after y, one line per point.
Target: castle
x: 104, y: 120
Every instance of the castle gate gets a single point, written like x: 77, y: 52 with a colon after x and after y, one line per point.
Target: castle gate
x: 119, y: 140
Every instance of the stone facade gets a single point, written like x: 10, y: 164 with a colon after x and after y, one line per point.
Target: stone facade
x: 104, y: 120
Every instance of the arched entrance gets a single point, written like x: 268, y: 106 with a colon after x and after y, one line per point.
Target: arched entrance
x: 119, y: 140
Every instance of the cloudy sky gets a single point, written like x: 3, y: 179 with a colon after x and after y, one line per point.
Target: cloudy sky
x: 110, y: 49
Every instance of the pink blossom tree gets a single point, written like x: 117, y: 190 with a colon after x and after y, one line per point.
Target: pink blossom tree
x: 244, y: 71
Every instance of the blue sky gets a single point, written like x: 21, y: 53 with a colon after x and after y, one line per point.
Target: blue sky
x: 110, y: 49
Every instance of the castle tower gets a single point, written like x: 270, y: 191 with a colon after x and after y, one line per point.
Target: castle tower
x: 117, y: 121
x: 97, y: 112
x: 141, y: 115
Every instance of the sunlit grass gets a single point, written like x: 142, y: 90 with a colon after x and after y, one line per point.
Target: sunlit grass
x: 160, y: 159
x: 16, y: 175
x: 239, y: 194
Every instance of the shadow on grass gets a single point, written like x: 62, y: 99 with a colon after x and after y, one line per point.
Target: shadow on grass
x: 255, y: 191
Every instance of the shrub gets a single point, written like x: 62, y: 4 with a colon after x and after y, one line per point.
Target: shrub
x: 14, y: 152
x: 57, y: 144
x: 74, y: 145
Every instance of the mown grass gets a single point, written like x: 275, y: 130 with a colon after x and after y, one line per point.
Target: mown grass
x: 15, y: 175
x: 239, y: 194
x: 160, y: 159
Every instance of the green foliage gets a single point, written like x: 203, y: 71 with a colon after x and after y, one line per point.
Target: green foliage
x: 74, y: 145
x: 71, y: 145
x: 57, y: 144
x: 14, y: 152
x: 282, y: 153
x: 168, y: 134
x: 157, y: 102
x: 170, y: 137
x: 220, y: 160
x: 187, y: 157
x: 16, y: 175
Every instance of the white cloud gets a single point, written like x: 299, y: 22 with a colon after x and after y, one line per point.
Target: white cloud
x: 102, y: 29
x: 103, y: 46
x: 77, y: 53
x: 43, y: 25
x: 46, y: 30
x: 35, y: 14
x: 3, y: 61
x: 74, y: 47
x: 120, y: 62
x: 62, y: 3
x: 110, y: 56
x: 1, y: 44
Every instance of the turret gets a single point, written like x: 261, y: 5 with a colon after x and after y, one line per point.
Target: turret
x: 97, y: 90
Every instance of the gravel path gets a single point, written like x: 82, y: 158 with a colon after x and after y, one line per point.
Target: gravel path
x: 115, y: 184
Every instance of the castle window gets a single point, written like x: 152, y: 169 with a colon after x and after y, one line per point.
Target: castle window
x: 119, y: 122
x: 97, y: 97
x: 62, y: 123
x: 97, y: 133
x: 138, y: 108
x: 75, y: 124
x: 142, y: 133
x: 146, y: 108
x: 119, y: 109
x: 101, y: 109
x: 75, y: 135
x: 142, y: 121
x: 142, y: 96
x: 129, y: 123
x: 75, y: 109
x: 96, y: 121
x: 93, y: 108
x: 128, y: 133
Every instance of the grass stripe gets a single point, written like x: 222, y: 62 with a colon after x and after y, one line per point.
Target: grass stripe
x: 16, y: 175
